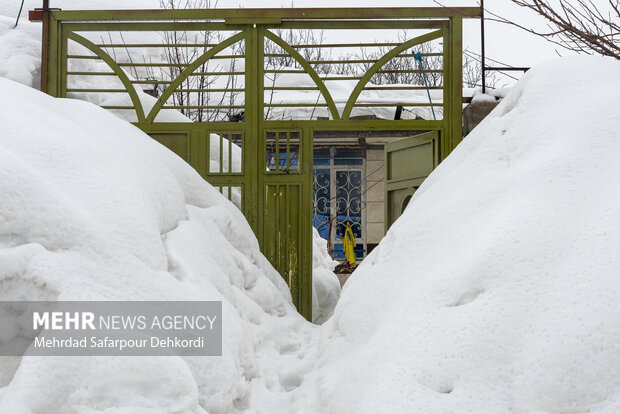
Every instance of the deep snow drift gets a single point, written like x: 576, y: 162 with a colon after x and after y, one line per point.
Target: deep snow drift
x: 498, y: 289
x: 20, y: 51
x: 92, y: 209
x: 496, y: 292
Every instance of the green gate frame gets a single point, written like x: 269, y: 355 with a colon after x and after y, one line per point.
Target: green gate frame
x: 276, y: 204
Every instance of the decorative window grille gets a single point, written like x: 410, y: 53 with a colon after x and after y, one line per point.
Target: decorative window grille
x: 339, y: 197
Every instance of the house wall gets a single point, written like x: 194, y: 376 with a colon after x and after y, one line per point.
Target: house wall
x: 375, y: 173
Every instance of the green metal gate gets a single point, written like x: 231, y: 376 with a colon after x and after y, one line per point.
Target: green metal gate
x: 408, y: 162
x: 272, y: 182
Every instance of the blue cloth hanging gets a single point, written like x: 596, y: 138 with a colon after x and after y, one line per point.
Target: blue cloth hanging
x: 418, y: 57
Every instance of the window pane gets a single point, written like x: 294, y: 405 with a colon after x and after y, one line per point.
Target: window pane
x: 321, y: 157
x: 348, y: 161
x: 321, y: 201
x: 343, y: 153
x: 349, y: 202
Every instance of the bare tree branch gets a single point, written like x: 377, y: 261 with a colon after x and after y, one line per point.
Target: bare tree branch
x: 577, y: 25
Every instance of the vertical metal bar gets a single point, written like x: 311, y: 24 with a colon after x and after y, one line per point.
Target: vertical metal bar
x: 45, y: 39
x: 259, y: 101
x: 251, y: 193
x: 250, y: 138
x: 278, y: 230
x: 269, y: 246
x: 221, y: 153
x: 363, y: 215
x: 286, y: 229
x: 386, y: 192
x: 294, y: 232
x: 447, y: 82
x: 196, y: 142
x: 230, y: 154
x: 277, y: 150
x: 256, y: 139
x: 332, y: 205
x: 52, y: 64
x: 482, y: 49
x: 64, y: 62
x: 207, y: 165
x: 242, y: 191
x: 306, y: 142
x: 456, y: 60
x: 288, y: 150
x: 242, y: 136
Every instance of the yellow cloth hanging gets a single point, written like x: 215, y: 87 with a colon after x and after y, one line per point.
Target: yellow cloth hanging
x: 349, y: 245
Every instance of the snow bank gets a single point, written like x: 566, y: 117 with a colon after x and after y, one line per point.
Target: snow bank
x: 92, y: 213
x: 20, y: 60
x: 497, y: 290
x: 325, y: 286
x: 20, y: 51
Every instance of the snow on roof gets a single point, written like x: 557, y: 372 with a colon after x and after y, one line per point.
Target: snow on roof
x: 341, y: 90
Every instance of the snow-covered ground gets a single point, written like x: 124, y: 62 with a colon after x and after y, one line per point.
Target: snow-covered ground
x: 105, y: 213
x: 20, y: 51
x: 325, y: 288
x: 495, y: 292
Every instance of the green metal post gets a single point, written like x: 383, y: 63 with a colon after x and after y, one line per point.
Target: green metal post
x: 49, y: 81
x: 305, y: 302
x: 255, y: 106
x: 456, y: 90
x: 253, y: 139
